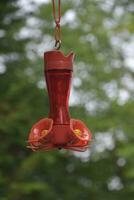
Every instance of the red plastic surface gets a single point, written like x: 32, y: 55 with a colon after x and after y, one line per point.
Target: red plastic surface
x: 59, y: 130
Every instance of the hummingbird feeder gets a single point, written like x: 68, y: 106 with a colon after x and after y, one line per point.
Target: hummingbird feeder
x: 59, y: 130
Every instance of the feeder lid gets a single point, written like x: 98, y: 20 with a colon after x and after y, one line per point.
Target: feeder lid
x: 57, y: 60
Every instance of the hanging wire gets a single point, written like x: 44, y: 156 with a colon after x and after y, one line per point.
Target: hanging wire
x: 57, y: 17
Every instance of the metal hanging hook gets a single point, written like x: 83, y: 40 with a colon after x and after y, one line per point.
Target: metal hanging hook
x: 58, y: 44
x: 57, y: 31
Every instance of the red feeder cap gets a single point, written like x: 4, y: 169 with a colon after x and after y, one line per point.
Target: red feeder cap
x: 57, y: 60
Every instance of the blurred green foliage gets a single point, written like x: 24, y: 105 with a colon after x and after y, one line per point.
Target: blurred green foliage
x: 101, y: 34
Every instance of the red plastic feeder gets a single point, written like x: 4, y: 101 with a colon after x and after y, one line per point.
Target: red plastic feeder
x: 59, y: 130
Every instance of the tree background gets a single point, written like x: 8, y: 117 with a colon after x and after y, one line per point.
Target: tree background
x: 101, y: 33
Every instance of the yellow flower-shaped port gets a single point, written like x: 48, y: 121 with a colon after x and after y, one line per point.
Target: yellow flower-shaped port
x: 44, y: 133
x: 77, y: 132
